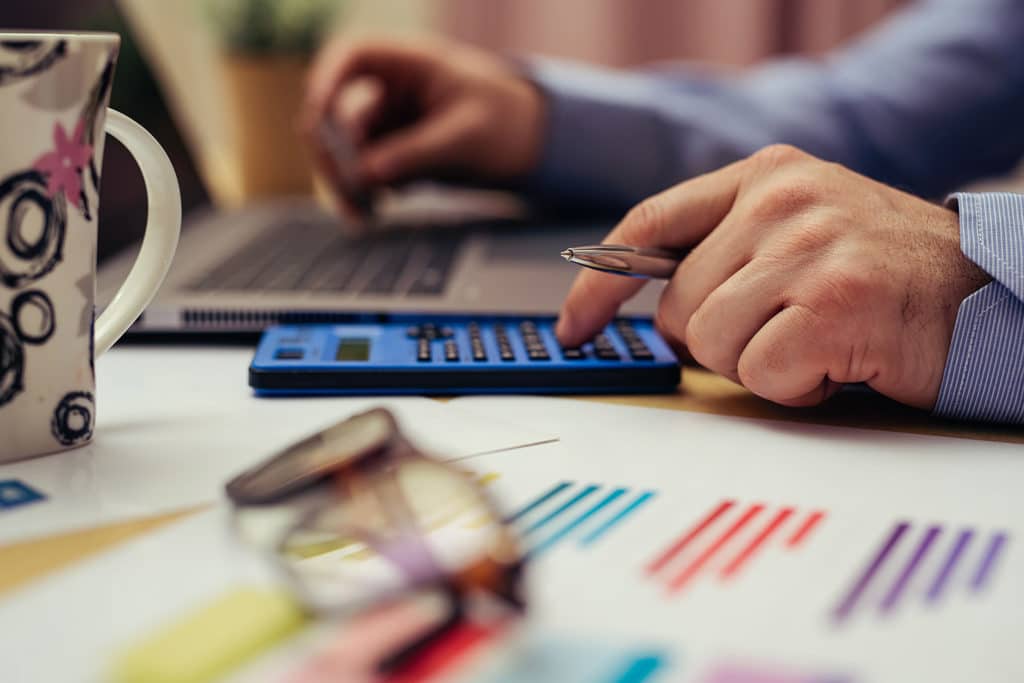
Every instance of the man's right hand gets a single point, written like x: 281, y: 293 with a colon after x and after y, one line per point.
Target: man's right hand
x: 422, y: 109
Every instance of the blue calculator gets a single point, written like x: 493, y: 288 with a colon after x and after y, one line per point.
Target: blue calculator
x: 459, y: 355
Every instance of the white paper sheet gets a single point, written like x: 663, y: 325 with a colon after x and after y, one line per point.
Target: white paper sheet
x: 772, y: 620
x: 779, y: 611
x: 175, y: 424
x: 775, y: 617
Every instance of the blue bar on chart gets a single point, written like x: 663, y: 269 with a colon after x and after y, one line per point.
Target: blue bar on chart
x: 576, y: 522
x: 551, y: 657
x: 596, y: 535
x: 537, y: 502
x: 587, y: 513
x: 972, y: 578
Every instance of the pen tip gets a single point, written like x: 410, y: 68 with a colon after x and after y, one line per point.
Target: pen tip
x: 567, y: 254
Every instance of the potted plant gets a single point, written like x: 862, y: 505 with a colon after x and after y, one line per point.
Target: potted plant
x: 266, y: 48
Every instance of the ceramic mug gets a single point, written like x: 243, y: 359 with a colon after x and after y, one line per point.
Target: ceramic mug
x: 54, y: 89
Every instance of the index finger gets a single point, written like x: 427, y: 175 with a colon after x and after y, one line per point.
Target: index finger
x: 678, y: 217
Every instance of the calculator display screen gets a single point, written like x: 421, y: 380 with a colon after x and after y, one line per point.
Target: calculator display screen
x: 353, y: 349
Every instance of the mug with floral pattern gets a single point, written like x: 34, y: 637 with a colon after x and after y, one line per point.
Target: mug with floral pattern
x: 54, y: 89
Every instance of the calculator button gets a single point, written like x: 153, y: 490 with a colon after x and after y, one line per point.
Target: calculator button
x: 641, y: 355
x: 447, y: 332
x: 539, y: 355
x: 507, y: 355
x: 413, y: 332
x: 429, y: 331
x: 573, y: 354
x: 423, y: 350
x: 289, y: 354
x: 451, y: 351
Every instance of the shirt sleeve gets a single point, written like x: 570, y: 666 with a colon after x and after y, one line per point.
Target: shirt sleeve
x: 984, y: 374
x: 931, y: 99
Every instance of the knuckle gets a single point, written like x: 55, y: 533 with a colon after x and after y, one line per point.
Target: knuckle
x: 841, y: 289
x: 646, y: 221
x: 700, y: 341
x: 794, y: 195
x: 777, y: 155
x: 668, y: 326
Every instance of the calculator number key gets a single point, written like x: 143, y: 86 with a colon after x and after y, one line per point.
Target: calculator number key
x: 504, y: 345
x: 603, y: 348
x: 535, y: 349
x: 476, y: 343
x: 637, y: 349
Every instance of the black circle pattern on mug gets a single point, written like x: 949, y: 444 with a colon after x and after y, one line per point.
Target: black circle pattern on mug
x: 31, y: 321
x: 28, y: 254
x: 12, y: 360
x: 23, y: 58
x: 33, y: 316
x: 73, y: 419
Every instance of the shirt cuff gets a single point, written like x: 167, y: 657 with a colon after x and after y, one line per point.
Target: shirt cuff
x: 992, y: 235
x: 605, y: 147
x: 984, y: 374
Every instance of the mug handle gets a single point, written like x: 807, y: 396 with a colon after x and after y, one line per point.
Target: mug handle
x: 163, y: 225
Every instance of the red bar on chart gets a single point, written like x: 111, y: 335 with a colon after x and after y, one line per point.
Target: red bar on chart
x: 804, y: 530
x: 659, y: 562
x: 698, y: 563
x: 751, y: 548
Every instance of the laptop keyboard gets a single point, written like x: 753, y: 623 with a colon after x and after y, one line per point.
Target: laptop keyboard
x: 315, y: 257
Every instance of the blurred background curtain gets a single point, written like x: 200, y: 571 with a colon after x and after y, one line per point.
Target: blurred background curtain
x: 628, y: 32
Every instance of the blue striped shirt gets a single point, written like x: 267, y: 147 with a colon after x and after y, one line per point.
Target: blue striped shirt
x: 932, y: 99
x: 984, y: 375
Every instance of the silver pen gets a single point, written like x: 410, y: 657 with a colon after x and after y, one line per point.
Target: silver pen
x: 647, y: 262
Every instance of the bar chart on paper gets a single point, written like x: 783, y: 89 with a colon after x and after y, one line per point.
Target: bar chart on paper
x: 923, y: 565
x: 583, y: 514
x: 727, y: 540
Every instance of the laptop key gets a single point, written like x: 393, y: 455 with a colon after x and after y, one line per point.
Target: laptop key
x: 389, y: 272
x: 433, y: 279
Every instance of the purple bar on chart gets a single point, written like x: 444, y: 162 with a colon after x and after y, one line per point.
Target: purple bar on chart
x: 988, y: 561
x: 955, y: 553
x: 892, y: 598
x: 846, y: 607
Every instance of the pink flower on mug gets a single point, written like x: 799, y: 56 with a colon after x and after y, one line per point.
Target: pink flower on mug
x: 63, y: 166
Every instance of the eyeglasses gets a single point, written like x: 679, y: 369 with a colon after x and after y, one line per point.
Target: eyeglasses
x: 355, y: 516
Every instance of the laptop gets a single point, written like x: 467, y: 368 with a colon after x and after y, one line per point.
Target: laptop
x: 289, y: 262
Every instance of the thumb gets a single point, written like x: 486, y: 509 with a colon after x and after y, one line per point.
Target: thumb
x: 415, y: 150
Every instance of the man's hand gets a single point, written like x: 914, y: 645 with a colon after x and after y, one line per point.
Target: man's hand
x: 804, y: 276
x: 423, y: 109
